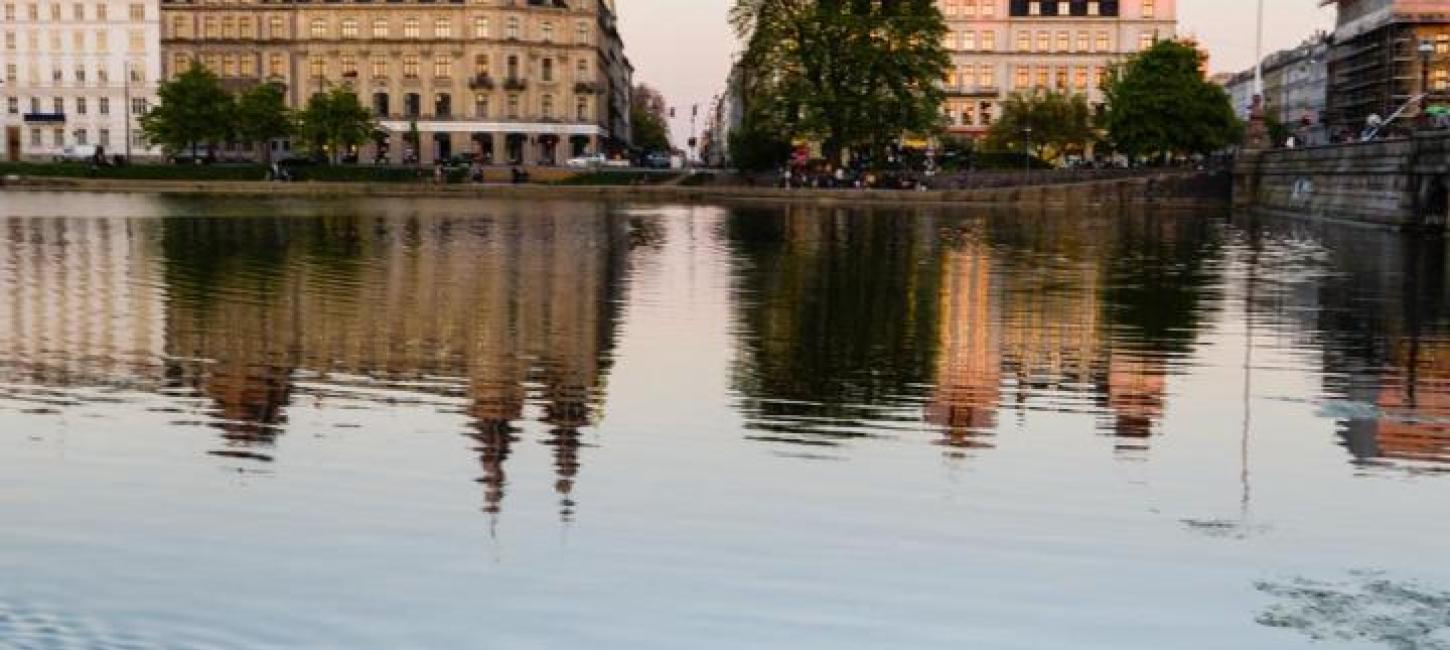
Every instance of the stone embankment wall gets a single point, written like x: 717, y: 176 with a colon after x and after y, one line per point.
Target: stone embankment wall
x: 1393, y: 183
x: 1167, y: 188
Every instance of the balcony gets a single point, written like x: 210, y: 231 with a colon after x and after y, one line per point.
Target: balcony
x: 44, y: 118
x: 586, y: 88
x: 481, y: 82
x: 972, y: 91
x: 515, y: 83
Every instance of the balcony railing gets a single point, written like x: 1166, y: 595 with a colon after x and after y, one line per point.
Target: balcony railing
x: 973, y: 91
x: 515, y: 83
x: 586, y: 88
x: 44, y: 118
x: 481, y: 82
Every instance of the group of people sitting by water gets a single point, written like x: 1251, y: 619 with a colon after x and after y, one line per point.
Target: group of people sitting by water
x: 840, y: 177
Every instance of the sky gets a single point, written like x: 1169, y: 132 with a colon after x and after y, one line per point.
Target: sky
x: 684, y: 47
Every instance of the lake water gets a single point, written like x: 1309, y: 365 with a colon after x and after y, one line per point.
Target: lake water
x: 233, y: 423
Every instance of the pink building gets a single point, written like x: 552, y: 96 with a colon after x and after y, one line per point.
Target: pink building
x: 999, y: 47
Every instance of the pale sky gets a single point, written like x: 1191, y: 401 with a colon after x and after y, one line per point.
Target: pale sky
x: 684, y: 47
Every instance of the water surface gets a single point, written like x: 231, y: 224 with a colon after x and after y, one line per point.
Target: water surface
x: 296, y: 423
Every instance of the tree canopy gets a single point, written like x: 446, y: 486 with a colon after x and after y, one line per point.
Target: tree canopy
x: 1059, y: 123
x: 262, y: 115
x: 193, y: 110
x: 335, y: 121
x: 647, y: 112
x: 1159, y: 103
x: 849, y: 73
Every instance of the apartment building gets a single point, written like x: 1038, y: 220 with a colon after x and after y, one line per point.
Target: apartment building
x: 1376, y: 64
x: 77, y: 75
x: 1001, y: 47
x: 511, y: 81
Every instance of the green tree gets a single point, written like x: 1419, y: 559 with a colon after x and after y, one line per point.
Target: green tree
x: 753, y: 148
x: 193, y: 110
x: 849, y: 73
x: 1159, y: 103
x: 262, y: 115
x: 1059, y: 123
x: 335, y: 121
x: 647, y: 119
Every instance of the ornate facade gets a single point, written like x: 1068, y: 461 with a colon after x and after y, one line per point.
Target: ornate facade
x: 512, y: 81
x: 1001, y: 47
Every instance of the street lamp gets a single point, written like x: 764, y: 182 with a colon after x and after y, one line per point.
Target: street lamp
x: 1027, y: 154
x: 1427, y: 50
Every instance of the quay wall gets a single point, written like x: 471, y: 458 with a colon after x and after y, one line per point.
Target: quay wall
x: 1152, y: 189
x: 1399, y: 184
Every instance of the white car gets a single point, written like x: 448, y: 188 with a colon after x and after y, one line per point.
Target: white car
x: 618, y: 162
x: 76, y: 153
x: 585, y: 162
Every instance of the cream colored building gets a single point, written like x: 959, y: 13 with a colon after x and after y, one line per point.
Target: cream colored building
x: 77, y: 75
x: 514, y: 81
x: 1000, y: 47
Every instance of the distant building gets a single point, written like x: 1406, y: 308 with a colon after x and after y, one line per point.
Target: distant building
x: 1375, y: 65
x: 728, y: 115
x: 77, y: 75
x: 1296, y: 83
x: 517, y: 82
x: 1000, y: 47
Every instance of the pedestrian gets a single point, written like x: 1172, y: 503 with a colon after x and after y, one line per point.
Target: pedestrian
x: 840, y: 177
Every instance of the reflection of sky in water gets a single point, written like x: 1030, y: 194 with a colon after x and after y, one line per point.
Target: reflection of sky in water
x: 445, y: 424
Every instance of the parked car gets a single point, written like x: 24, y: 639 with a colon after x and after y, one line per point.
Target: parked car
x: 618, y: 162
x: 585, y: 162
x: 77, y: 153
x: 657, y: 160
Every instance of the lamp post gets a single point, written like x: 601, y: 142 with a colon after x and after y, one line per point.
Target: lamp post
x: 1427, y: 50
x: 1027, y: 155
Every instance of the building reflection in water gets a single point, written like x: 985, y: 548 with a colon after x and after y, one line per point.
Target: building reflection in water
x: 240, y: 318
x: 844, y: 322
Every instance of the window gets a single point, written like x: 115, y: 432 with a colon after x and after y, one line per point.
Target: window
x: 988, y: 77
x: 275, y: 27
x: 276, y: 65
x: 410, y: 28
x: 1084, y: 42
x: 442, y: 66
x: 513, y: 66
x: 1440, y: 78
x: 349, y: 28
x: 480, y: 27
x: 1024, y: 42
x: 969, y: 41
x: 546, y: 70
x: 347, y: 64
x: 318, y: 28
x: 412, y: 105
x: 1044, y: 41
x: 1042, y: 75
x: 511, y: 31
x: 229, y: 27
x: 59, y: 104
x: 546, y: 107
x: 989, y: 8
x: 1081, y: 79
x: 1060, y: 78
x: 1024, y: 77
x: 12, y: 105
x: 581, y: 108
x: 581, y: 71
x: 1145, y: 41
x: 410, y: 66
x: 443, y: 105
x: 442, y: 28
x: 1064, y: 42
x: 989, y: 40
x: 78, y: 11
x: 513, y: 108
x: 546, y: 32
x: 80, y: 75
x: 380, y: 28
x: 9, y: 40
x: 480, y: 65
x: 138, y: 106
x: 103, y: 41
x: 35, y: 137
x: 58, y: 137
x: 480, y: 106
x: 248, y: 66
x: 229, y: 65
x: 317, y: 66
x: 1149, y: 10
x: 103, y: 137
x: 82, y: 137
x: 1102, y: 42
x: 9, y: 13
x: 380, y: 68
x: 581, y: 32
x: 137, y: 11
